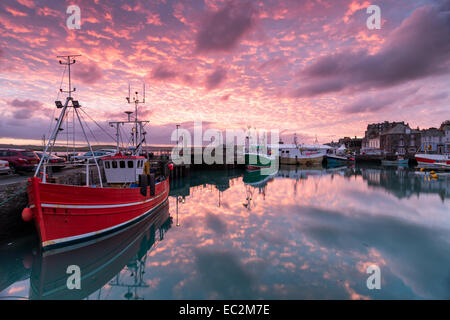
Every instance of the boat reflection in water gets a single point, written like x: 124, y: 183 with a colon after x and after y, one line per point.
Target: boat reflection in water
x: 99, y: 261
x: 402, y: 182
x: 306, y: 233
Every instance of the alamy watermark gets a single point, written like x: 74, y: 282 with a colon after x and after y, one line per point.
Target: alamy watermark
x: 236, y: 147
x: 74, y: 280
x: 74, y: 20
x: 374, y: 280
x: 374, y: 20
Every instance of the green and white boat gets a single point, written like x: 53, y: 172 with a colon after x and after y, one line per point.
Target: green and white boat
x: 257, y: 161
x: 258, y: 178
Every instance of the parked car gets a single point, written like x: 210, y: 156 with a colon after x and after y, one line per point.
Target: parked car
x: 55, y: 161
x: 111, y: 151
x: 20, y: 159
x: 65, y: 155
x: 4, y: 167
x: 88, y: 156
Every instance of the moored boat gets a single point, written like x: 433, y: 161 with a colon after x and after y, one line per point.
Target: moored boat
x: 257, y: 161
x: 398, y: 162
x: 257, y: 156
x: 432, y: 159
x: 258, y: 177
x: 99, y: 260
x: 302, y: 154
x: 69, y: 214
x: 298, y: 156
x: 336, y: 159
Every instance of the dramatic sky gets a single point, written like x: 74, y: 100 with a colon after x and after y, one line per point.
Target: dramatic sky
x: 310, y: 67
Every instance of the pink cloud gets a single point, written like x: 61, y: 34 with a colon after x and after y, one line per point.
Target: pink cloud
x: 88, y: 73
x: 405, y: 56
x: 222, y: 30
x: 16, y: 13
x: 216, y: 78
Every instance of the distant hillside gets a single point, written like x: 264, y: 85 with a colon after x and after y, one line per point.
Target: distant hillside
x: 57, y: 148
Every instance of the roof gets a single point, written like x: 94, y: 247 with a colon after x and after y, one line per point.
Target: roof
x: 400, y: 129
x: 122, y: 157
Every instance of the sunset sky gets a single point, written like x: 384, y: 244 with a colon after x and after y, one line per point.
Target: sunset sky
x: 310, y: 67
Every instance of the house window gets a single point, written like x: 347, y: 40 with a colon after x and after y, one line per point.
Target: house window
x: 122, y: 164
x: 114, y: 164
x: 130, y: 164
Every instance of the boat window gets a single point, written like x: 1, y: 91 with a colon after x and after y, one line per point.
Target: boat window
x: 130, y: 164
x: 114, y: 164
x: 107, y: 165
x: 122, y: 164
x: 139, y: 163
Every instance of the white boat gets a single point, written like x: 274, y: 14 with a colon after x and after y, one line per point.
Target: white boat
x: 302, y: 154
x: 298, y: 154
x: 432, y: 159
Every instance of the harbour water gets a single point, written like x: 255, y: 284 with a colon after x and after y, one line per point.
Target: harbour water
x: 303, y: 233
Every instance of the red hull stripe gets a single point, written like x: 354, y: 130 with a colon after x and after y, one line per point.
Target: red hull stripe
x: 86, y: 236
x: 424, y: 160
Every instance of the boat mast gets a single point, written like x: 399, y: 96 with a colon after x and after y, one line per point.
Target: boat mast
x: 59, y: 105
x: 138, y: 133
x: 75, y: 105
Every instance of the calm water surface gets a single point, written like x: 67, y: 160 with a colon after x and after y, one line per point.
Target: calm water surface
x: 299, y: 234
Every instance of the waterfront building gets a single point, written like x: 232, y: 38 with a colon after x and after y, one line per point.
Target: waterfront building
x: 371, y: 141
x: 401, y: 140
x: 445, y: 128
x: 431, y: 140
x: 434, y: 140
x: 351, y: 144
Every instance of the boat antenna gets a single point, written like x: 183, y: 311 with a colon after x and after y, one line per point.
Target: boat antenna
x: 138, y: 129
x: 137, y: 133
x: 70, y: 61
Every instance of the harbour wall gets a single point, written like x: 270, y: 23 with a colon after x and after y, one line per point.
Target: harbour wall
x: 13, y: 198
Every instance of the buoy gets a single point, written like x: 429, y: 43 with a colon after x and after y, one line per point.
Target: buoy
x: 435, y: 176
x: 432, y: 172
x: 27, y: 214
x: 170, y: 166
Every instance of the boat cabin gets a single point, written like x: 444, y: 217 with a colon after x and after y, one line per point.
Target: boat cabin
x: 123, y: 169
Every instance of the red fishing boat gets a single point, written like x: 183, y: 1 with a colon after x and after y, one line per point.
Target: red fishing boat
x: 68, y: 214
x: 433, y: 159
